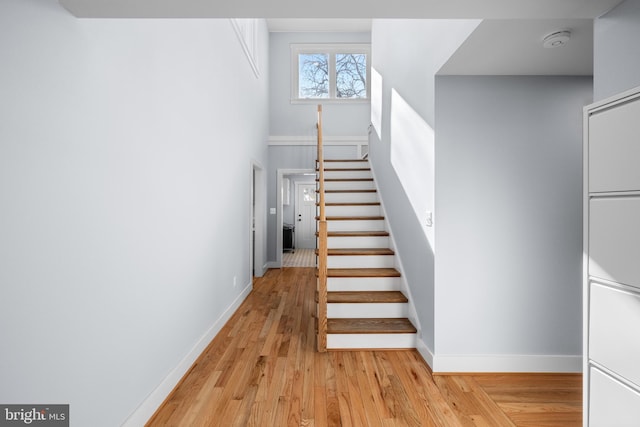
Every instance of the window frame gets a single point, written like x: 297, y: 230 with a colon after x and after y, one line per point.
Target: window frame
x: 331, y: 49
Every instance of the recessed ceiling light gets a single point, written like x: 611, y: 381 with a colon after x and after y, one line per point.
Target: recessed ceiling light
x: 557, y: 39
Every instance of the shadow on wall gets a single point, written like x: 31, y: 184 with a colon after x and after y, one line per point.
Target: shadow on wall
x: 412, y: 158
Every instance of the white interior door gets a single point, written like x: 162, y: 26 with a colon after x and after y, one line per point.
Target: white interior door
x: 305, y: 231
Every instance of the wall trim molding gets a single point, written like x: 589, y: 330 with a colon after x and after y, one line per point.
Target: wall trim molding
x: 425, y: 352
x: 311, y: 140
x: 247, y: 32
x: 152, y: 402
x: 506, y: 363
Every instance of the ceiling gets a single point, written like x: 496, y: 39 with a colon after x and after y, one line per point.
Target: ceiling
x: 315, y: 25
x: 507, y: 42
x: 436, y: 9
x: 515, y: 47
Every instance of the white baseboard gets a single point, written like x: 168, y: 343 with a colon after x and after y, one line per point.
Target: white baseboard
x: 151, y: 404
x: 273, y: 264
x: 425, y: 352
x: 506, y: 363
x: 265, y: 267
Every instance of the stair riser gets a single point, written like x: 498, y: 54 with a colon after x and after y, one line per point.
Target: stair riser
x: 347, y: 174
x: 349, y: 185
x: 345, y: 165
x: 337, y: 284
x: 366, y: 310
x: 356, y: 225
x: 357, y: 341
x: 352, y: 210
x: 350, y: 197
x: 357, y: 242
x: 360, y: 261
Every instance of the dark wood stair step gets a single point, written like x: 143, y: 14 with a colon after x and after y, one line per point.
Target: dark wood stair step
x: 344, y: 169
x: 346, y: 179
x: 357, y: 234
x: 352, y: 218
x: 343, y: 160
x: 359, y: 251
x: 362, y: 272
x: 369, y: 297
x: 370, y: 326
x: 351, y: 204
x: 350, y: 191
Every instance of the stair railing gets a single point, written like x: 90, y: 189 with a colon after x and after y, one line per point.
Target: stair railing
x: 322, y: 246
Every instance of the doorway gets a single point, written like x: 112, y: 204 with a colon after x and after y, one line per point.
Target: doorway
x: 257, y: 226
x: 285, y: 212
x: 305, y: 222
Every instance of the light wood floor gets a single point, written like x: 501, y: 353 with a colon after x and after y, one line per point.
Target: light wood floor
x: 262, y: 370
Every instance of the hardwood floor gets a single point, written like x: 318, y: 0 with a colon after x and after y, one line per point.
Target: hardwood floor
x: 262, y: 370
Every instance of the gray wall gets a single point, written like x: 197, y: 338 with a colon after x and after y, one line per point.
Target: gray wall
x: 509, y: 224
x: 287, y: 119
x: 616, y: 51
x: 299, y: 120
x: 407, y: 54
x: 292, y: 157
x: 117, y: 250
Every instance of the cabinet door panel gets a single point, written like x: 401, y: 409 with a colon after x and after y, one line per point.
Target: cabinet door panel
x: 614, y: 239
x: 612, y: 403
x: 614, y: 331
x: 614, y: 151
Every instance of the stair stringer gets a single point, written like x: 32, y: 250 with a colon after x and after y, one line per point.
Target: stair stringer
x: 404, y: 285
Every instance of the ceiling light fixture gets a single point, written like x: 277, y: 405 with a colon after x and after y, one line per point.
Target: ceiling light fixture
x: 557, y: 39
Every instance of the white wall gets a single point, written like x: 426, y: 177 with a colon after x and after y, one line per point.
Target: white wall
x: 120, y: 143
x: 509, y: 198
x: 406, y: 55
x: 616, y: 51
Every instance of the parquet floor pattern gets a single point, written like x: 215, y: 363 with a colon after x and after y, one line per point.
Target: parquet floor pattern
x: 262, y: 370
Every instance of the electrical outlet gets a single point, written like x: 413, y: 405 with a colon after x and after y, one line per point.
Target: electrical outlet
x: 429, y: 220
x: 235, y: 281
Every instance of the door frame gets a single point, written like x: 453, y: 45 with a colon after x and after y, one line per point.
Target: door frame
x: 257, y: 220
x: 280, y: 173
x: 297, y: 205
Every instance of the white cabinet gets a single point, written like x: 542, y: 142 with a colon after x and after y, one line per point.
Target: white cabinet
x: 612, y: 262
x: 612, y: 402
x: 614, y: 332
x: 614, y: 239
x: 614, y: 150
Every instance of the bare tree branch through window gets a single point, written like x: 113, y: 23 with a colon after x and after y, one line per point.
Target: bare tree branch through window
x: 333, y: 74
x: 351, y: 75
x: 313, y: 75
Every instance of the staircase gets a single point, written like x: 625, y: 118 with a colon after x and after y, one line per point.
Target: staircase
x: 365, y: 307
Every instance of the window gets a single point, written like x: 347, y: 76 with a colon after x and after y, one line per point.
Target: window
x: 336, y: 72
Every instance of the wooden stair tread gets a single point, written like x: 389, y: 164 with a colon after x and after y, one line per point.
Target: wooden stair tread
x: 344, y: 169
x: 359, y: 251
x: 351, y: 204
x: 353, y: 218
x: 350, y: 191
x: 346, y: 179
x: 370, y: 326
x: 368, y: 297
x: 343, y: 160
x: 362, y: 272
x: 357, y: 234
